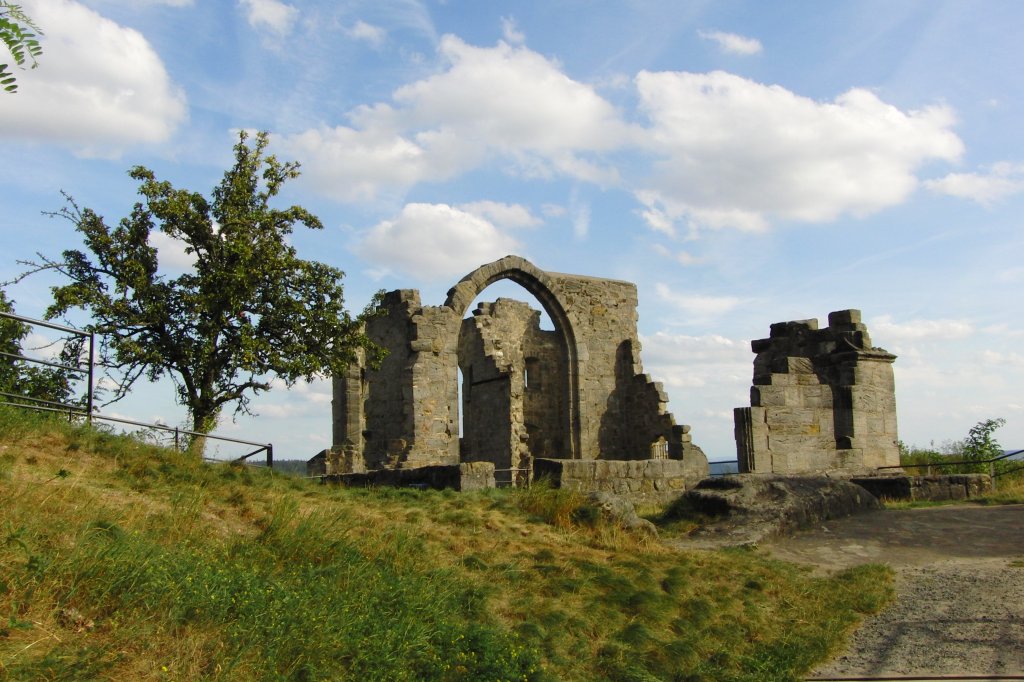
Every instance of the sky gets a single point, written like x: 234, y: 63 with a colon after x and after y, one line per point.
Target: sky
x: 743, y: 162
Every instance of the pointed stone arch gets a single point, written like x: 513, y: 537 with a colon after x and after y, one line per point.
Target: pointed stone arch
x: 547, y: 292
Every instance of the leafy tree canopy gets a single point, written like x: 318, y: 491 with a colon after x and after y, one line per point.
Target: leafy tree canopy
x: 248, y: 310
x: 20, y: 37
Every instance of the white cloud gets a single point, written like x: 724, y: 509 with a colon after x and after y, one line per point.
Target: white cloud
x: 516, y: 99
x: 502, y: 102
x: 1003, y: 180
x: 581, y: 220
x: 41, y: 347
x: 1011, y: 275
x: 658, y: 219
x: 171, y: 252
x: 719, y: 150
x: 709, y: 348
x: 705, y: 377
x: 736, y: 153
x: 136, y: 3
x: 360, y: 165
x: 282, y: 411
x: 367, y: 32
x: 990, y: 357
x: 884, y: 329
x: 510, y: 30
x: 503, y: 215
x: 733, y: 43
x: 101, y: 87
x: 697, y: 305
x: 553, y: 210
x: 434, y: 241
x: 684, y: 258
x: 271, y: 15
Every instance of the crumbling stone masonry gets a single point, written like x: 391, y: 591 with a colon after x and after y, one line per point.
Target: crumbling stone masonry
x: 513, y: 398
x: 822, y: 400
x: 578, y: 392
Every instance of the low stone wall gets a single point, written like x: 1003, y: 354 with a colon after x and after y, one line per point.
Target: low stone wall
x: 653, y: 479
x: 936, y: 488
x: 464, y: 477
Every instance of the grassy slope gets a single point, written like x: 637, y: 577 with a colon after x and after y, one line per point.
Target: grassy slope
x: 123, y: 561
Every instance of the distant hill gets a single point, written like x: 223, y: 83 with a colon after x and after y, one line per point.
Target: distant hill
x: 290, y: 466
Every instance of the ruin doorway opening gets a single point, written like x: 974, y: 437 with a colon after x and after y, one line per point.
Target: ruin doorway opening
x: 514, y: 382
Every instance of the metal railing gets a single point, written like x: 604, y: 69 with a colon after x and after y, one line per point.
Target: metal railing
x: 993, y: 474
x: 724, y: 461
x: 178, y: 432
x: 87, y: 371
x: 88, y: 411
x: 511, y: 481
x: 919, y: 678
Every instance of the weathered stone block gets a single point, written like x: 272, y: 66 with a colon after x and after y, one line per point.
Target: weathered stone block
x: 842, y: 317
x: 797, y: 365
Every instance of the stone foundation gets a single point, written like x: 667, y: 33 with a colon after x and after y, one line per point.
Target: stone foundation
x: 464, y: 477
x: 657, y: 480
x: 934, y: 488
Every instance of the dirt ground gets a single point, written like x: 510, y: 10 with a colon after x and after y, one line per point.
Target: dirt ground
x: 959, y: 608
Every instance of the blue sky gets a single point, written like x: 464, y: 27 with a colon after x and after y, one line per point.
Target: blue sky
x: 743, y: 162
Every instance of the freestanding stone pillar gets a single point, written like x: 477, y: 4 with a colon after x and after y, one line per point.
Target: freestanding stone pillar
x: 822, y: 400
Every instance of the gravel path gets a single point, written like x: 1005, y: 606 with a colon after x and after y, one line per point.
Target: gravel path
x: 959, y: 608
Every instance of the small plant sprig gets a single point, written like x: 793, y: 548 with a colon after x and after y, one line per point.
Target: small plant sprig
x: 20, y: 35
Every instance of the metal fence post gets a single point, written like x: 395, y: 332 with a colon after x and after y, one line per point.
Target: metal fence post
x: 88, y: 413
x: 270, y: 455
x: 992, y: 473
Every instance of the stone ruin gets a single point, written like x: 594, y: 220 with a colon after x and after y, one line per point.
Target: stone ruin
x: 823, y: 400
x: 575, y: 397
x: 574, y: 403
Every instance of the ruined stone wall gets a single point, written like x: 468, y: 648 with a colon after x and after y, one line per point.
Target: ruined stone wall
x: 822, y: 399
x: 544, y: 391
x: 492, y: 363
x: 601, y: 408
x: 382, y: 402
x: 514, y: 386
x: 404, y: 412
x: 433, y: 366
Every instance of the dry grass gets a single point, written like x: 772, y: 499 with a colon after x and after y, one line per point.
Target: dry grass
x: 123, y: 561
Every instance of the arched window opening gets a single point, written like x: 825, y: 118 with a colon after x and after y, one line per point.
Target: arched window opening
x: 515, y: 384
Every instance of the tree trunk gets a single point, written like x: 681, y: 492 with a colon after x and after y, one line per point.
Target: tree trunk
x: 202, y: 424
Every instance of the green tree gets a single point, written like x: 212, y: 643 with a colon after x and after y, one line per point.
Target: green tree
x: 980, y: 444
x: 247, y: 311
x: 20, y: 379
x: 20, y: 37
